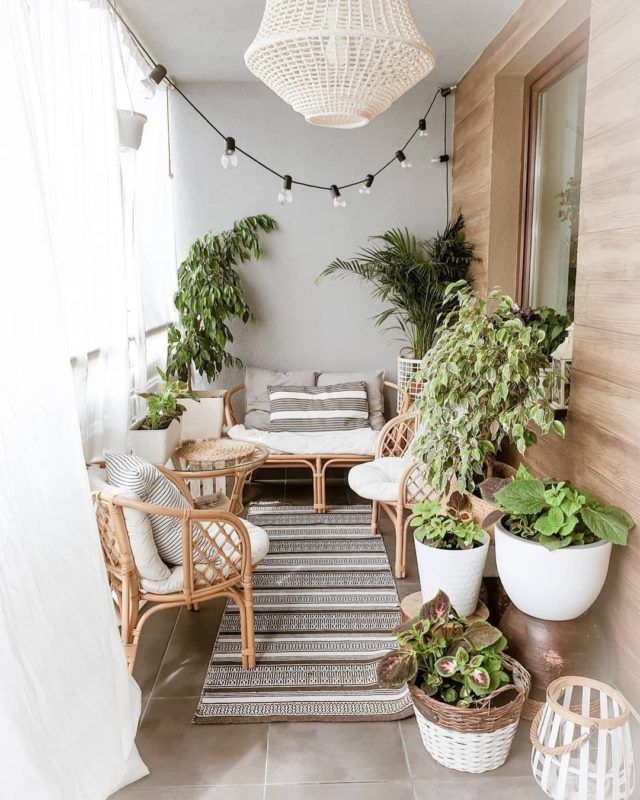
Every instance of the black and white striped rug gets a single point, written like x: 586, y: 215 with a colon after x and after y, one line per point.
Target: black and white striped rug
x: 325, y: 604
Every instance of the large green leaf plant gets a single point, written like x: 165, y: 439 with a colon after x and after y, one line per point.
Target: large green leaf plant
x: 484, y: 383
x: 410, y: 277
x: 210, y: 294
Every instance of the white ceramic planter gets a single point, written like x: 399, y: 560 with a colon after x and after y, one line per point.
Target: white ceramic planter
x: 155, y: 446
x: 130, y: 127
x: 550, y: 584
x: 202, y: 420
x: 457, y: 572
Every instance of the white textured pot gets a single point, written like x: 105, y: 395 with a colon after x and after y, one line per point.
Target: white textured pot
x: 457, y: 572
x: 202, y: 420
x: 154, y: 446
x: 550, y: 584
x: 130, y: 127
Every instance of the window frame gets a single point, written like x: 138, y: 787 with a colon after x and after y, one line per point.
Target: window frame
x: 550, y: 70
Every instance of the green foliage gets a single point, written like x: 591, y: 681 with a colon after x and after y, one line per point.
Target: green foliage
x: 450, y: 529
x: 558, y: 515
x: 163, y: 406
x: 448, y: 658
x: 210, y: 293
x: 483, y: 385
x: 553, y: 325
x: 412, y: 276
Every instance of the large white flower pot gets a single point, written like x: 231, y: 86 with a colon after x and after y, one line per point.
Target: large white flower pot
x: 202, y: 420
x: 550, y: 584
x: 457, y: 572
x: 155, y: 446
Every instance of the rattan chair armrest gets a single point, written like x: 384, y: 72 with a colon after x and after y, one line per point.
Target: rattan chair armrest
x: 413, y: 488
x: 392, y: 441
x: 229, y: 414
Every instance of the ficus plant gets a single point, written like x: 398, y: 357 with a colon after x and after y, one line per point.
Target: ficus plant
x: 210, y: 294
x: 163, y: 406
x: 445, y: 656
x: 557, y: 515
x: 446, y: 528
x: 410, y: 277
x: 484, y: 383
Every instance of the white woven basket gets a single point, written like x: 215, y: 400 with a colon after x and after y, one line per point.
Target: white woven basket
x: 466, y: 752
x: 406, y: 368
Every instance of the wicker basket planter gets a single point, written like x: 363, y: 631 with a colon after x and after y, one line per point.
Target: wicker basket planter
x: 406, y: 368
x: 478, y: 738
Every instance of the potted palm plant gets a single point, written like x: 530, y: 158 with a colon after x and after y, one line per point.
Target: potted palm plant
x: 210, y: 294
x: 550, y: 531
x: 451, y: 551
x: 157, y: 435
x: 411, y: 276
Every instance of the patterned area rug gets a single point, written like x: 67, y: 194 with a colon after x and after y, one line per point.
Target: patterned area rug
x: 325, y: 605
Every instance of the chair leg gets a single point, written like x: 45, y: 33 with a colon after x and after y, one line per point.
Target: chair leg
x: 400, y: 566
x: 375, y: 518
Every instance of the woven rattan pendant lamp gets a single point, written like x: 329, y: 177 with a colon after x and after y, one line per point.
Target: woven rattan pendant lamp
x: 339, y: 62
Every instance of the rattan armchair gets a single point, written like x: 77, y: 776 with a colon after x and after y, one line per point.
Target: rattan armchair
x: 395, y: 440
x: 216, y: 563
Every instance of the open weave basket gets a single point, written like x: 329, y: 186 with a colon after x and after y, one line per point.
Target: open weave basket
x: 477, y: 738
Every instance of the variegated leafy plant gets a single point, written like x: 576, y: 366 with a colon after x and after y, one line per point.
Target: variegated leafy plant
x: 447, y: 657
x: 484, y: 383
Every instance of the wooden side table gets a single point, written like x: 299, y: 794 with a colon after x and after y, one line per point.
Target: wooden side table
x: 200, y: 464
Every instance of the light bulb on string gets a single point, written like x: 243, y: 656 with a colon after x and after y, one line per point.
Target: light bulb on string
x: 365, y: 188
x: 229, y: 158
x: 440, y: 159
x: 423, y: 133
x: 402, y: 160
x: 153, y: 80
x: 338, y: 199
x: 285, y: 195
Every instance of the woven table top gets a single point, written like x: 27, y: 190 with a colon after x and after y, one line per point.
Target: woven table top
x: 215, y: 450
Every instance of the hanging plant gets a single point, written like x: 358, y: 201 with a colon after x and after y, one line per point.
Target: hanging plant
x: 210, y: 294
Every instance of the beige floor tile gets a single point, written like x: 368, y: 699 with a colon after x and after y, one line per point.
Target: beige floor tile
x: 192, y: 793
x: 422, y: 766
x: 480, y: 788
x: 386, y: 790
x: 184, y: 667
x: 151, y: 650
x: 307, y: 752
x: 181, y: 754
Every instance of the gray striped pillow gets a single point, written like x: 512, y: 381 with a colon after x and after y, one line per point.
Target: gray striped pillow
x: 313, y: 409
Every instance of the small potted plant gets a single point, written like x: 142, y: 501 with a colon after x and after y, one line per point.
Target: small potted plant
x: 553, y: 545
x: 157, y: 435
x: 451, y: 551
x: 467, y: 694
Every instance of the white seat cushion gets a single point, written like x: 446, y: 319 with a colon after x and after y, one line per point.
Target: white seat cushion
x: 174, y: 582
x: 361, y: 441
x: 378, y: 479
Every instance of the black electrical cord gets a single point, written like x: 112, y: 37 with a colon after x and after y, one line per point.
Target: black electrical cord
x: 143, y: 50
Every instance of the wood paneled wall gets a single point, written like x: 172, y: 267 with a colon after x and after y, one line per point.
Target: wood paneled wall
x: 602, y: 450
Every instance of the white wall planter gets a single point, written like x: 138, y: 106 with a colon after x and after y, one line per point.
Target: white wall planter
x: 550, y: 584
x: 154, y: 446
x: 202, y: 420
x: 457, y: 572
x: 130, y: 127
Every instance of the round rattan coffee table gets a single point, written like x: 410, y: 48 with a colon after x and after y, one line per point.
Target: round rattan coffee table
x: 201, y: 463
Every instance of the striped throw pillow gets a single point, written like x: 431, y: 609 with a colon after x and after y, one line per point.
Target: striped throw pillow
x: 313, y: 409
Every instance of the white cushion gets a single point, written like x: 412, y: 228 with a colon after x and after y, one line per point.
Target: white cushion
x: 361, y: 441
x: 145, y: 553
x: 378, y: 479
x: 174, y: 581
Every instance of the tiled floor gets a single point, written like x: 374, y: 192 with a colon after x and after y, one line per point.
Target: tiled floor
x: 285, y: 761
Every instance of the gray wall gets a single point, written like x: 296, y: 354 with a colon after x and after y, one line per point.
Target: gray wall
x: 300, y: 324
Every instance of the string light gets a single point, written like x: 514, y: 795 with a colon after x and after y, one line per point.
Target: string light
x: 154, y: 79
x: 338, y: 199
x: 285, y: 195
x: 229, y: 158
x: 365, y: 189
x: 402, y: 160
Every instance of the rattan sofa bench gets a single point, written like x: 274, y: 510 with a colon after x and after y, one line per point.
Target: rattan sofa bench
x: 317, y: 463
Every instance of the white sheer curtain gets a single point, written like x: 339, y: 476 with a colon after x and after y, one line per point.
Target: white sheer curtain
x: 68, y: 708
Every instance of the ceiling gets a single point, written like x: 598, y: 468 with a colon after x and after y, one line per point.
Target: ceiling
x: 204, y: 40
